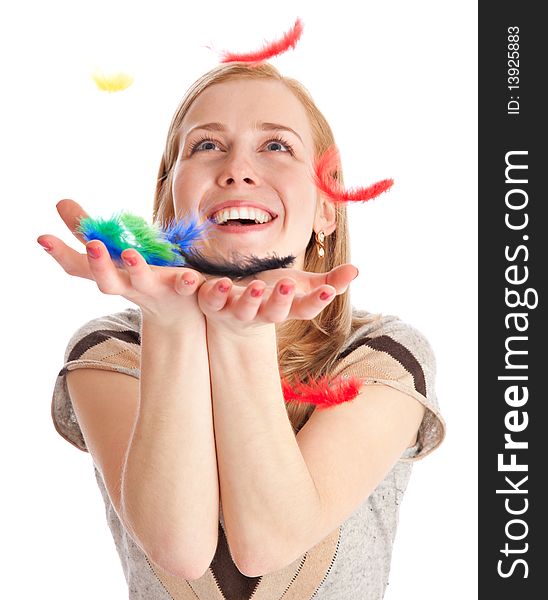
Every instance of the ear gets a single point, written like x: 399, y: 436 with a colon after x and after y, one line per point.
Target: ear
x: 325, y: 218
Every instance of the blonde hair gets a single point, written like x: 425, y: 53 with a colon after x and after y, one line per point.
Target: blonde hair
x: 303, y: 346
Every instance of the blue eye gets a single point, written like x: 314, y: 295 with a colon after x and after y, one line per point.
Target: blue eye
x: 280, y: 140
x: 279, y: 144
x: 208, y: 142
x: 196, y: 145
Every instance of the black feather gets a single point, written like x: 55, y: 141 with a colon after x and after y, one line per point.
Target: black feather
x: 239, y: 268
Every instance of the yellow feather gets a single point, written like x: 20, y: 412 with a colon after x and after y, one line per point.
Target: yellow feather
x: 112, y: 82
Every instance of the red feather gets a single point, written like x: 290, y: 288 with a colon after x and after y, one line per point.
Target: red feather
x: 270, y: 49
x: 325, y: 181
x: 323, y: 392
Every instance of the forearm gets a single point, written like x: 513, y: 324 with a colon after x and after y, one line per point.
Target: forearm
x: 170, y: 490
x: 267, y: 492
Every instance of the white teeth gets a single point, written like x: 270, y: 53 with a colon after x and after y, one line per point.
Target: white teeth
x: 243, y: 212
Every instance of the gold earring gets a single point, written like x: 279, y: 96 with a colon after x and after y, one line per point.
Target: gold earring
x: 320, y: 248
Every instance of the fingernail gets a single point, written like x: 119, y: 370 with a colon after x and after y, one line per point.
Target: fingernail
x: 93, y: 251
x: 46, y: 246
x: 326, y: 295
x: 130, y: 261
x: 256, y: 292
x: 285, y: 289
x: 222, y: 287
x: 187, y: 280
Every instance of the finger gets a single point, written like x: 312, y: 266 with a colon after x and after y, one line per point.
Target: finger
x: 188, y: 281
x: 142, y: 279
x: 278, y: 305
x: 214, y: 293
x: 73, y: 263
x: 311, y: 304
x: 109, y: 279
x: 71, y: 213
x: 341, y: 276
x: 247, y: 305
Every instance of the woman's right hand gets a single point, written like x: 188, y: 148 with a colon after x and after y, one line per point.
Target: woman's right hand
x: 165, y: 294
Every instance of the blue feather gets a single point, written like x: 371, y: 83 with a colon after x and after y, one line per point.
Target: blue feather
x: 111, y: 232
x: 186, y: 232
x: 124, y: 230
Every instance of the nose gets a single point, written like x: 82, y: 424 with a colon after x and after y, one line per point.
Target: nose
x: 237, y: 169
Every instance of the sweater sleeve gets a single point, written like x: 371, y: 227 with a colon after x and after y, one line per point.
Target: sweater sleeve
x: 399, y: 356
x: 110, y: 343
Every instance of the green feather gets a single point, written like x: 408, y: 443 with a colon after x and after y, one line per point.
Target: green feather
x: 149, y: 239
x: 110, y: 231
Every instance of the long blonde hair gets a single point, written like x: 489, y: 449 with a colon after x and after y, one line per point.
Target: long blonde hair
x: 303, y: 346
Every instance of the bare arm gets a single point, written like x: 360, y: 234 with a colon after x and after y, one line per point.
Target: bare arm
x: 170, y: 490
x: 155, y: 444
x: 267, y: 490
x: 291, y: 491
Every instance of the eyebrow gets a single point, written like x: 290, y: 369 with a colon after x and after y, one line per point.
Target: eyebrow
x: 216, y: 126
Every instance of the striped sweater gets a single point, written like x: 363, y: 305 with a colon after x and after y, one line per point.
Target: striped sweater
x: 354, y: 560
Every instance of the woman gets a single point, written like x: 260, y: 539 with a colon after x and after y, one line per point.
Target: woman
x: 214, y: 487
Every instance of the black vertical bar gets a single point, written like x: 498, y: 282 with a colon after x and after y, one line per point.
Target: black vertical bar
x: 513, y: 256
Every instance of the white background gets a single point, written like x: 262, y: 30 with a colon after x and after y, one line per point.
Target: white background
x: 397, y: 82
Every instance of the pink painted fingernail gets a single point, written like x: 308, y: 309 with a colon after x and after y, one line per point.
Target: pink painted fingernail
x: 93, y: 251
x: 46, y: 246
x: 326, y: 295
x: 257, y: 292
x: 285, y: 289
x: 222, y: 287
x: 130, y: 261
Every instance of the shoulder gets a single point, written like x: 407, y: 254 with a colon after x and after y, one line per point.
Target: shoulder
x: 108, y: 343
x: 389, y: 335
x: 128, y: 320
x: 385, y: 350
x: 112, y: 339
x: 125, y: 324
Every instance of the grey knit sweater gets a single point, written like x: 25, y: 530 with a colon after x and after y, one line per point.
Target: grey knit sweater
x: 353, y: 562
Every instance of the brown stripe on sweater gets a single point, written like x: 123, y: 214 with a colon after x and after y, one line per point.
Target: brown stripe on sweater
x: 353, y: 346
x: 232, y: 583
x: 224, y: 581
x: 398, y: 351
x: 101, y: 335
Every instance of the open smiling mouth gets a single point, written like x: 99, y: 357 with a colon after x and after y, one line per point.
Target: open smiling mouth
x: 242, y: 222
x: 241, y: 225
x: 241, y: 216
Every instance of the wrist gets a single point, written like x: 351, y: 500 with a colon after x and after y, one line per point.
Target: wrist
x: 240, y: 331
x: 189, y: 321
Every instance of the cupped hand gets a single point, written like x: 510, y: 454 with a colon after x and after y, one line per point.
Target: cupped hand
x: 273, y: 297
x: 306, y: 281
x: 164, y: 293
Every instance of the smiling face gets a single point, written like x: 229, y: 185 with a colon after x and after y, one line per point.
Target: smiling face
x: 248, y: 143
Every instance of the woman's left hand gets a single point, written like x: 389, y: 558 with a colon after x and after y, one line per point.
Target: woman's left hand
x: 272, y: 297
